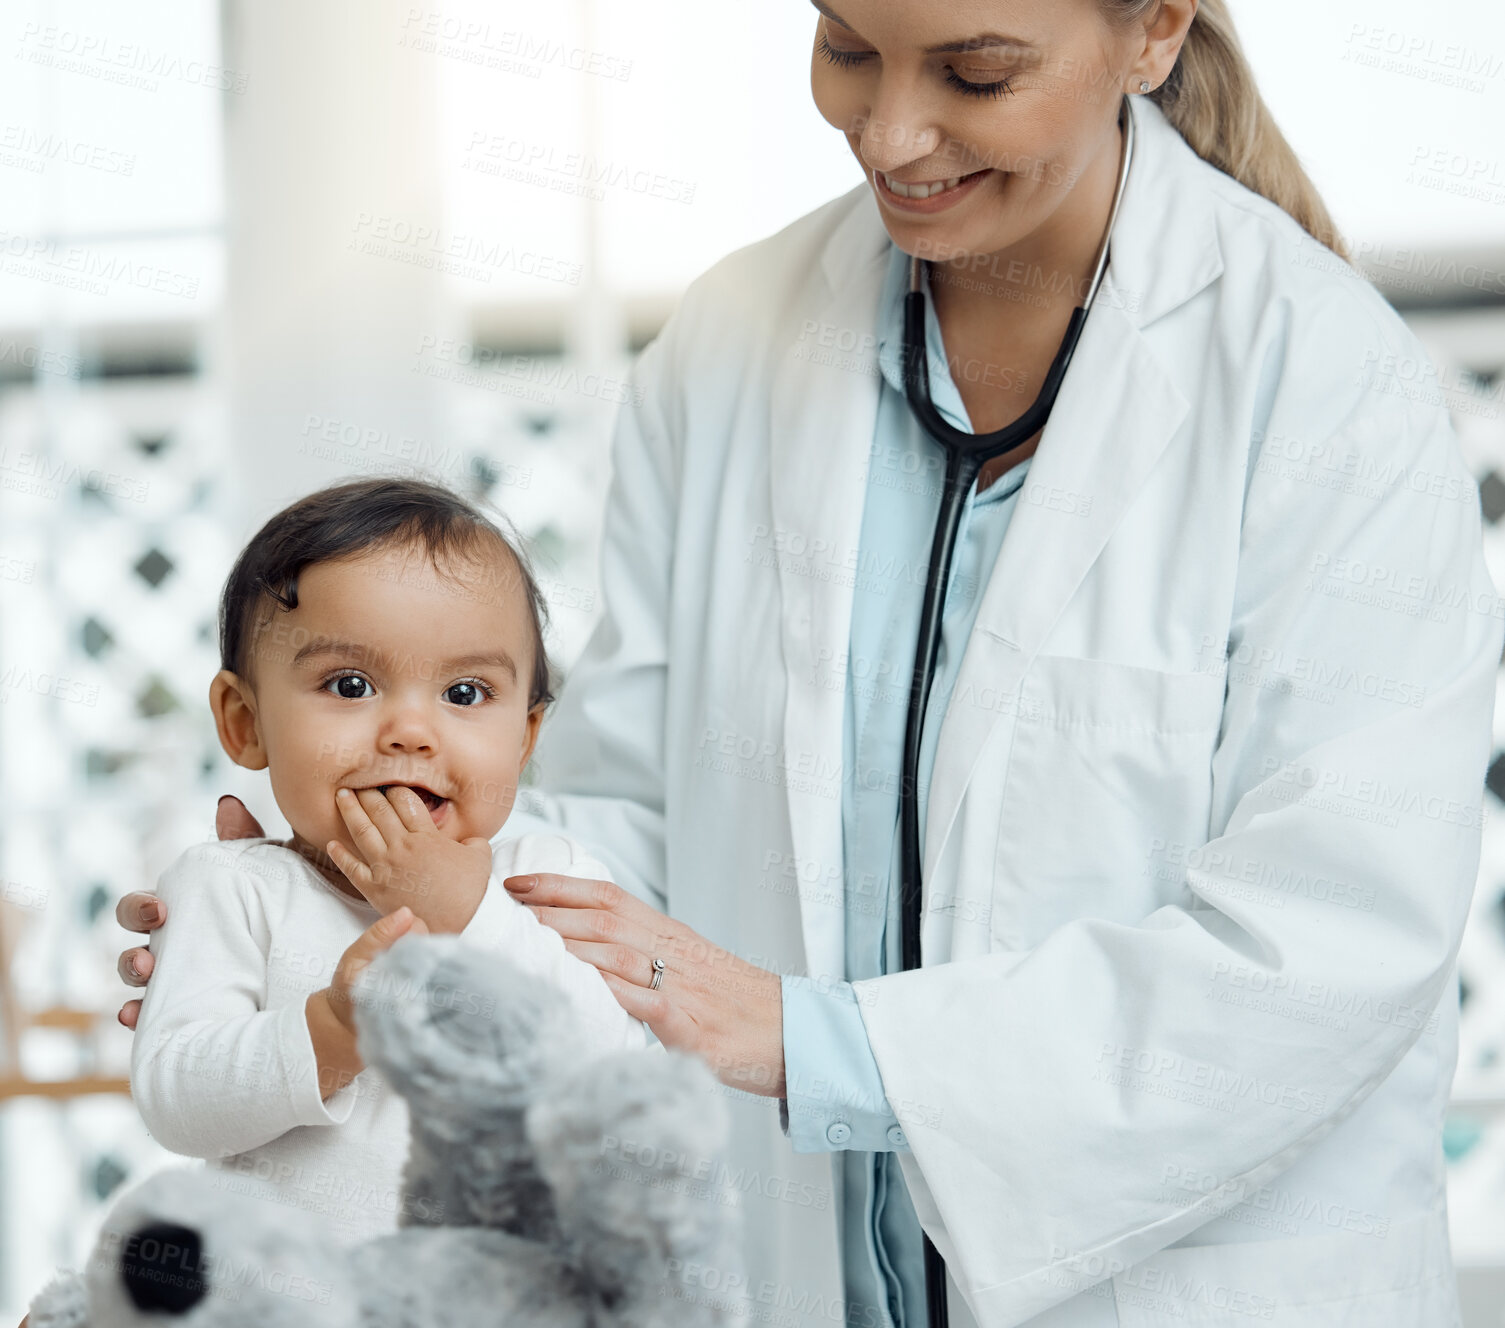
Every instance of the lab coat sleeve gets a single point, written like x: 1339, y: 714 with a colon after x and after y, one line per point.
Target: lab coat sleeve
x: 1065, y: 1079
x: 834, y: 1093
x: 213, y: 1073
x: 599, y: 763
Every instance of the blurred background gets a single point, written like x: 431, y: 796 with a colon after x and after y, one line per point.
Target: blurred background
x: 250, y: 247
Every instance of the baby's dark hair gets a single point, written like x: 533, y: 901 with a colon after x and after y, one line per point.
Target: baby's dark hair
x: 354, y: 517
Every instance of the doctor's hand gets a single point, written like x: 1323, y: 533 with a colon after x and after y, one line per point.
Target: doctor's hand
x: 142, y: 911
x: 709, y: 1002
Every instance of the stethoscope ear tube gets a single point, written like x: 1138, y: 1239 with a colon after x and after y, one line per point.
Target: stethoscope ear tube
x: 966, y: 454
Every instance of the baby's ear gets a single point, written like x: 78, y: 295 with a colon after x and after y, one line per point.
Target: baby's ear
x: 234, y: 706
x: 530, y: 733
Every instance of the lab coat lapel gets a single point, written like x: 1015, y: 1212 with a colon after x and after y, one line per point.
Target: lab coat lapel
x: 1117, y: 411
x: 822, y: 416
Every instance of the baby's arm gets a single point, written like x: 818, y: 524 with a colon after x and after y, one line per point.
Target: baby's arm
x: 503, y: 923
x: 213, y: 1073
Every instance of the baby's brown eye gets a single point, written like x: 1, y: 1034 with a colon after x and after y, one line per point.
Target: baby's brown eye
x: 350, y: 687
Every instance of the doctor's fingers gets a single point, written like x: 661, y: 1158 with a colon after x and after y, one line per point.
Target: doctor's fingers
x: 580, y: 892
x: 623, y: 961
x: 594, y: 924
x: 683, y: 948
x: 698, y: 976
x: 730, y: 1015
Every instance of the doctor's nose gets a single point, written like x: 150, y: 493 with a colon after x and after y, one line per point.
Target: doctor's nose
x: 891, y: 135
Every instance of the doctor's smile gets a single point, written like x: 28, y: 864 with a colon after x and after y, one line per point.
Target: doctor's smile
x: 934, y: 524
x: 926, y: 198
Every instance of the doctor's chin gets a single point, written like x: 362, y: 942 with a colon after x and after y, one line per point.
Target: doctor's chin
x: 823, y: 664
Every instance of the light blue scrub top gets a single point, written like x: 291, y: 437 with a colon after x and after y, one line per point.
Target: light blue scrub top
x: 835, y: 1096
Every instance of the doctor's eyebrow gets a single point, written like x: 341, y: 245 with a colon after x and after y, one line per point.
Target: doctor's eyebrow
x: 979, y: 42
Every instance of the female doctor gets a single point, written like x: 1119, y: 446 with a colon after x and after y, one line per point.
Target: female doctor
x: 1200, y: 780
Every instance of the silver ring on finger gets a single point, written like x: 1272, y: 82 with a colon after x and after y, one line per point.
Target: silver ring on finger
x: 658, y: 975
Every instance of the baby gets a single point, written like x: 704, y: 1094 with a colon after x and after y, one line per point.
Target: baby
x: 382, y: 658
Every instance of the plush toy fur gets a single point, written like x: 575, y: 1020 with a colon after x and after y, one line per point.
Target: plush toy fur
x: 542, y: 1189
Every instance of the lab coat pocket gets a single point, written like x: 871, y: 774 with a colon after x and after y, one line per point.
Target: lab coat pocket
x: 1110, y: 765
x: 1339, y: 1279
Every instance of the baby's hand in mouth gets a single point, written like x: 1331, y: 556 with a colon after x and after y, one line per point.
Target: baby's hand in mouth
x: 403, y: 857
x: 438, y: 806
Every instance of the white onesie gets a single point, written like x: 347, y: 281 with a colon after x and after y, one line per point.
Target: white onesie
x: 223, y: 1066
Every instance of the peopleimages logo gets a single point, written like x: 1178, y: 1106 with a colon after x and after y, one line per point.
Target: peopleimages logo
x: 1164, y: 1072
x: 711, y: 1175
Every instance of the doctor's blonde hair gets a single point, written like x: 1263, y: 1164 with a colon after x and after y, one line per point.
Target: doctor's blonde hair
x: 1212, y: 99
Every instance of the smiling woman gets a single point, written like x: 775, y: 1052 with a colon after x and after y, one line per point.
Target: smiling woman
x: 1069, y: 67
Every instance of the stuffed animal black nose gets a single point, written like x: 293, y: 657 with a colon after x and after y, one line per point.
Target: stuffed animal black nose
x: 161, y: 1268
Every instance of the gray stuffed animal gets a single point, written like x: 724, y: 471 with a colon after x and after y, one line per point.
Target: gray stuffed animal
x: 541, y: 1190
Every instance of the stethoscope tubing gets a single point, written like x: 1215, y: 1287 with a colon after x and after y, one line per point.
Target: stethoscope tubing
x: 966, y: 454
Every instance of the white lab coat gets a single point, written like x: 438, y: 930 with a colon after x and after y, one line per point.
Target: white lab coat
x: 1205, y: 812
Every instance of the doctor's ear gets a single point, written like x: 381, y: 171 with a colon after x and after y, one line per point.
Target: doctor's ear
x: 1165, y: 30
x: 234, y: 706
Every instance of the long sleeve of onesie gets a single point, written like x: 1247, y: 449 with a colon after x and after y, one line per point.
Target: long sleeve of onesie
x: 223, y: 1064
x: 213, y: 1070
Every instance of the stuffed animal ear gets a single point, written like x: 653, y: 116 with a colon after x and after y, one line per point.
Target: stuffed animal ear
x: 465, y: 1037
x: 461, y: 1033
x: 632, y: 1147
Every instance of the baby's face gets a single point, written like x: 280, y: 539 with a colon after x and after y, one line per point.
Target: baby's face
x: 392, y: 671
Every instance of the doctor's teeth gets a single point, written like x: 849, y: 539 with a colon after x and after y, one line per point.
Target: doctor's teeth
x: 920, y: 190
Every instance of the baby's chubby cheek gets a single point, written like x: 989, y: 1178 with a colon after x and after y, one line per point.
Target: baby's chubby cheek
x: 308, y: 803
x: 482, y: 805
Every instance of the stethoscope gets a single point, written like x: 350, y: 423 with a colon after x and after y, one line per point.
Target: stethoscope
x: 966, y: 454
